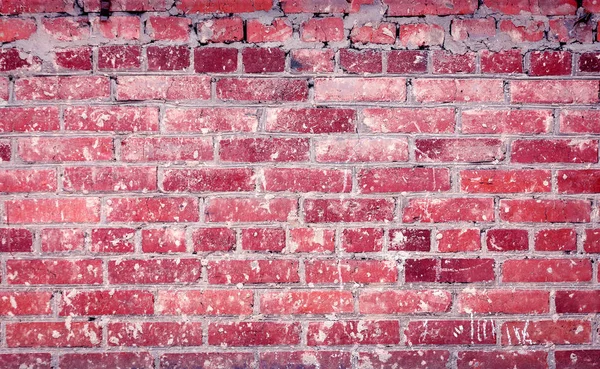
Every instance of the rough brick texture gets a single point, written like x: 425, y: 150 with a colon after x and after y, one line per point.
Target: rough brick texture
x: 300, y: 184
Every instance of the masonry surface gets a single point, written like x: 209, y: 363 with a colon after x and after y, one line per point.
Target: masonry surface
x: 303, y: 184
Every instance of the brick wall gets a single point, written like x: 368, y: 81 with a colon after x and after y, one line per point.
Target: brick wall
x: 306, y: 184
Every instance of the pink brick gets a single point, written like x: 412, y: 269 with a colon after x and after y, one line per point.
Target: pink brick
x: 311, y: 60
x: 360, y: 89
x: 458, y: 90
x: 355, y: 150
x: 221, y: 30
x: 163, y: 88
x: 419, y: 35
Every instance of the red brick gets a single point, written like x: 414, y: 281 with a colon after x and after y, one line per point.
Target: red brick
x: 554, y: 151
x: 348, y: 210
x: 64, y: 210
x: 360, y: 89
x: 263, y: 239
x: 208, y: 120
x: 546, y: 332
x: 213, y: 239
x: 400, y: 8
x: 53, y: 334
x: 567, y: 31
x: 503, y: 301
x: 554, y: 92
x: 62, y: 88
x: 253, y: 271
x: 15, y: 240
x: 410, y: 240
x: 589, y: 62
x: 264, y: 150
x: 323, y: 6
x: 356, y: 150
x: 591, y: 241
x: 74, y: 59
x: 549, y: 63
x: 163, y: 88
x: 362, y: 240
x: 307, y: 302
x: 579, y: 121
x: 381, y: 33
x: 210, y: 360
x: 118, y: 27
x: 105, y: 302
x: 451, y: 332
x: 16, y: 60
x: 418, y: 35
x: 25, y: 303
x: 215, y: 60
x: 383, y: 180
x: 547, y: 270
x: 168, y: 58
x: 550, y: 211
x: 33, y: 361
x: 54, y: 271
x: 250, y: 209
x: 60, y: 240
x: 127, y: 5
x: 591, y: 6
x: 578, y: 302
x: 312, y: 60
x: 140, y: 360
x: 577, y: 359
x: 109, y: 179
x: 502, y: 359
x: 449, y: 270
x: 321, y: 359
x: 63, y: 149
x: 528, y: 31
x: 223, y: 6
x: 507, y: 240
x: 322, y: 30
x: 306, y: 180
x: 154, y: 271
x: 4, y: 82
x: 351, y: 332
x: 111, y: 118
x: 28, y: 180
x: 407, y: 62
x: 351, y: 271
x: 169, y: 28
x: 578, y: 181
x: 311, y: 240
x: 205, y: 302
x: 506, y: 121
x: 473, y: 29
x: 113, y: 240
x: 449, y: 210
x: 458, y: 90
x: 405, y: 302
x: 152, y: 209
x: 253, y: 333
x: 155, y: 334
x: 507, y: 61
x: 13, y: 29
x: 119, y: 57
x: 459, y: 150
x: 563, y: 239
x: 279, y: 30
x: 208, y: 180
x: 5, y: 150
x: 147, y: 149
x: 386, y: 359
x: 67, y: 28
x: 444, y: 62
x: 163, y: 240
x: 458, y: 240
x: 262, y: 90
x: 221, y: 30
x: 404, y: 120
x: 263, y: 60
x: 361, y: 62
x: 311, y: 120
x: 505, y: 181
